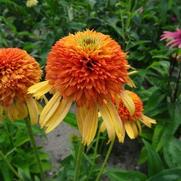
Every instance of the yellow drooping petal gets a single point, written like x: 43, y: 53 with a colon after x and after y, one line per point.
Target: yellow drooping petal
x: 129, y: 129
x: 39, y: 89
x: 107, y: 122
x: 50, y: 108
x: 12, y: 112
x: 80, y: 116
x: 17, y: 111
x: 147, y: 121
x: 131, y: 83
x: 135, y: 129
x: 90, y: 125
x: 58, y: 116
x: 128, y: 102
x: 139, y: 126
x: 132, y: 72
x: 33, y: 110
x: 112, y: 121
x: 21, y: 109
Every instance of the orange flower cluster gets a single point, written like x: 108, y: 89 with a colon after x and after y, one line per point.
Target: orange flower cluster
x: 18, y: 71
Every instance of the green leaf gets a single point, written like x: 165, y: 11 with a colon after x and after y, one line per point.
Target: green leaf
x: 155, y: 101
x: 24, y: 172
x: 167, y: 175
x: 143, y: 156
x: 172, y: 153
x: 161, y: 135
x: 6, y: 173
x: 154, y: 161
x: 115, y: 174
x: 175, y: 114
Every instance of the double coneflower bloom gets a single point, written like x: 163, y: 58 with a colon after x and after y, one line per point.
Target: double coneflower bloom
x: 89, y: 69
x: 18, y: 71
x: 130, y: 121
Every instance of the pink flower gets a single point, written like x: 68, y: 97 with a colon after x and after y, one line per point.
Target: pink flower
x: 173, y: 38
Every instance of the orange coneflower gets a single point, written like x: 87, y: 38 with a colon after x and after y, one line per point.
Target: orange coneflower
x: 90, y: 69
x: 130, y: 121
x: 18, y: 71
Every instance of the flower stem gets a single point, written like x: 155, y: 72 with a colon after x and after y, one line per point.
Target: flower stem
x: 9, y: 133
x: 33, y: 143
x: 105, y: 160
x: 9, y: 165
x: 78, y: 162
x: 94, y: 155
x: 177, y: 84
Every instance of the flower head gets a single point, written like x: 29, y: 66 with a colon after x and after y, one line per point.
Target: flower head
x: 88, y: 68
x: 31, y: 3
x: 18, y: 71
x: 132, y: 121
x: 173, y: 38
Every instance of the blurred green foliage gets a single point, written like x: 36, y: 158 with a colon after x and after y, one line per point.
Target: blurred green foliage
x: 136, y: 25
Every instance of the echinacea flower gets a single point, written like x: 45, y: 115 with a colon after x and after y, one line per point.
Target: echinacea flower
x: 18, y: 71
x: 88, y: 68
x: 173, y: 38
x: 132, y: 122
x: 31, y: 3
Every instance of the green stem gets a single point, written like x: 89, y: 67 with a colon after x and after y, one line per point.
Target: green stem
x: 105, y: 160
x: 9, y: 165
x: 9, y: 133
x: 177, y: 84
x: 78, y: 162
x: 94, y: 155
x: 33, y: 143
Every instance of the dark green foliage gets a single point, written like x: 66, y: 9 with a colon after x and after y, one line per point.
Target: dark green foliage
x: 15, y: 145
